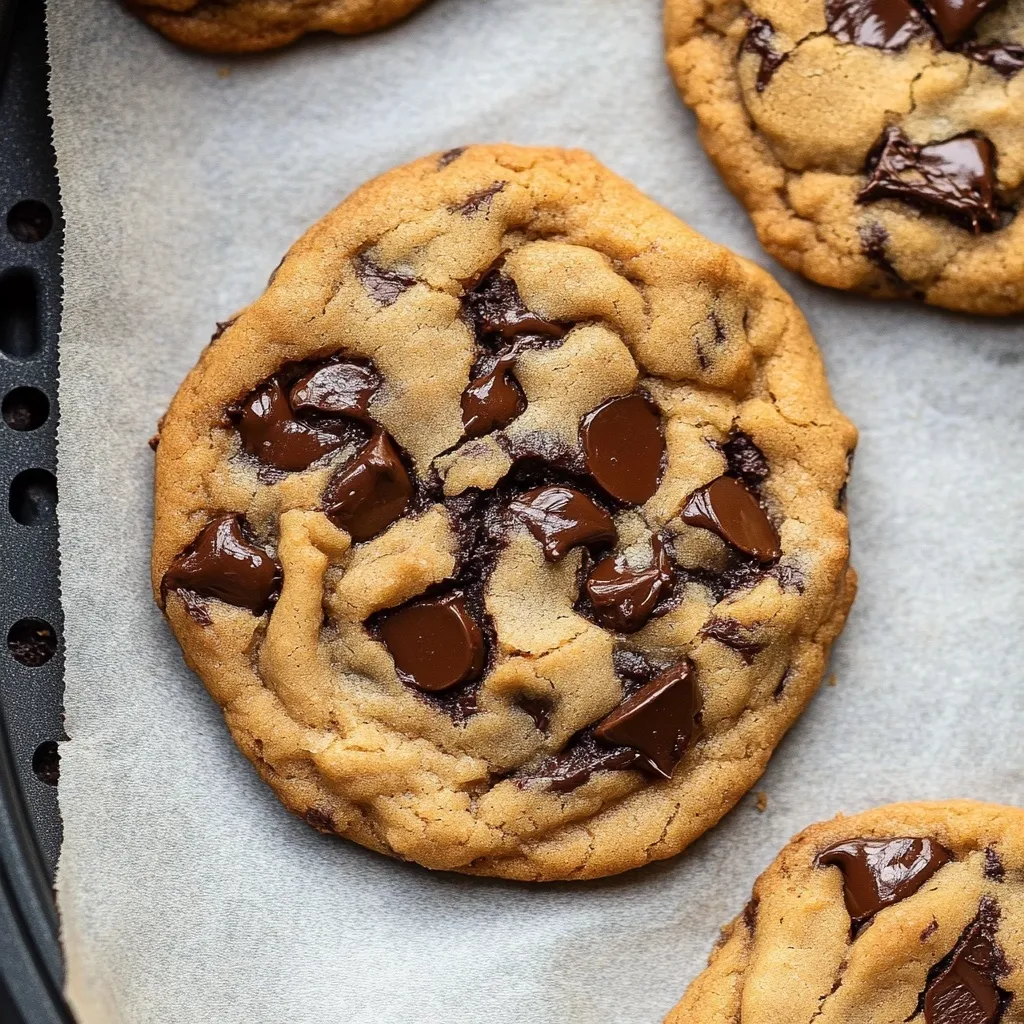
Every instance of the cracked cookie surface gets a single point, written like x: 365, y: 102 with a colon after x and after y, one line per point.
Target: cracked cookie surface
x: 248, y: 26
x: 878, y: 145
x: 906, y: 913
x: 507, y: 526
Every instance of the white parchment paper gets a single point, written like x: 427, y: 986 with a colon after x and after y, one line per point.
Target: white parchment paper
x: 187, y: 893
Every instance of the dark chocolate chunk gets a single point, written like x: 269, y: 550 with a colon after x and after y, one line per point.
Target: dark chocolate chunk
x: 385, y: 286
x: 495, y: 308
x: 730, y: 633
x: 572, y: 767
x: 624, y: 447
x: 746, y: 461
x: 882, y: 24
x: 728, y: 508
x: 658, y: 721
x: 369, y: 493
x: 758, y: 41
x: 995, y: 871
x: 874, y: 241
x: 479, y: 202
x: 224, y: 563
x: 622, y: 598
x: 449, y: 156
x: 269, y: 431
x: 1006, y: 58
x: 562, y: 518
x: 954, y: 19
x: 955, y: 178
x: 880, y: 872
x: 492, y: 400
x: 435, y: 643
x: 337, y: 389
x: 537, y: 708
x: 962, y: 988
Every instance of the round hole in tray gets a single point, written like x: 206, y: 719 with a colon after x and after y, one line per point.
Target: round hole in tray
x: 25, y: 408
x: 46, y: 763
x: 33, y: 642
x: 30, y: 220
x: 33, y: 498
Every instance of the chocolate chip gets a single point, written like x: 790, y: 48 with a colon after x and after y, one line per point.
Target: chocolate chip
x: 495, y: 308
x: 758, y: 40
x: 880, y: 872
x: 385, y: 286
x: 449, y: 156
x: 882, y: 24
x: 224, y: 563
x: 269, y: 431
x: 1006, y: 58
x: 994, y: 869
x: 492, y: 400
x: 746, y: 461
x: 874, y: 240
x: 622, y: 598
x: 728, y: 508
x: 730, y: 633
x: 954, y: 19
x: 955, y: 177
x: 337, y: 389
x: 929, y: 930
x: 562, y: 518
x: 962, y: 988
x: 624, y: 447
x: 537, y: 708
x: 658, y: 721
x: 434, y: 642
x: 572, y: 767
x: 369, y: 493
x: 478, y: 202
x: 320, y: 820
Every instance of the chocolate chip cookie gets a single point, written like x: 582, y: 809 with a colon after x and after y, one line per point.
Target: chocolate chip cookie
x: 877, y: 144
x: 246, y: 26
x: 907, y: 913
x: 507, y: 526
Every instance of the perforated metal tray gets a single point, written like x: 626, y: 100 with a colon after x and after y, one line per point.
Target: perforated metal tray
x: 31, y: 624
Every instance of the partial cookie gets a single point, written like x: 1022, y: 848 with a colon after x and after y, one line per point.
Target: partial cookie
x: 877, y: 144
x: 507, y: 526
x: 907, y: 913
x: 246, y: 26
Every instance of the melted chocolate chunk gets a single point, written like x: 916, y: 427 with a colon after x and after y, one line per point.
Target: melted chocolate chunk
x: 1006, y: 58
x: 880, y: 872
x: 495, y: 308
x: 658, y: 721
x: 758, y: 40
x: 994, y: 869
x: 874, y: 240
x: 224, y: 563
x: 572, y: 767
x: 962, y: 988
x: 730, y: 633
x: 746, y: 461
x: 479, y: 202
x: 624, y: 447
x: 728, y: 508
x: 622, y: 598
x: 269, y: 431
x: 369, y: 493
x: 449, y: 156
x: 337, y: 389
x: 955, y: 177
x: 562, y: 518
x: 538, y: 709
x: 385, y: 286
x: 434, y: 642
x: 882, y: 24
x: 492, y: 400
x: 954, y: 19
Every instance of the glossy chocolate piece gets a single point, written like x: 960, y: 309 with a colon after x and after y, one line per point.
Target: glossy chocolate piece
x: 384, y: 286
x: 538, y: 709
x: 224, y: 563
x: 964, y: 989
x: 269, y: 431
x: 954, y: 19
x: 571, y: 768
x: 435, y: 643
x: 624, y: 447
x: 728, y: 508
x: 370, y: 492
x: 496, y: 308
x: 337, y: 389
x: 882, y: 24
x: 562, y: 518
x: 955, y: 178
x: 658, y: 721
x: 492, y: 400
x: 730, y: 633
x: 1006, y: 58
x: 880, y: 872
x: 622, y: 598
x: 758, y: 41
